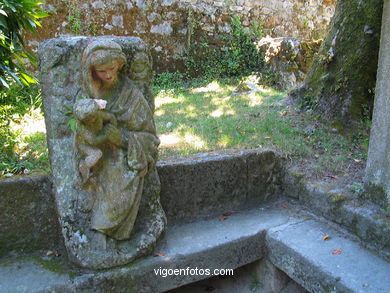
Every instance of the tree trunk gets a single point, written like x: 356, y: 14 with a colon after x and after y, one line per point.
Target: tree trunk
x: 340, y: 86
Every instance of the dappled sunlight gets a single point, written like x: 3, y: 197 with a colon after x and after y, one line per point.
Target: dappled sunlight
x: 191, y: 111
x: 174, y: 140
x: 213, y: 86
x: 222, y: 111
x: 224, y: 141
x: 162, y: 100
x: 159, y: 113
x: 215, y: 116
x: 170, y: 140
x: 194, y: 140
x: 255, y: 99
x: 266, y: 89
x: 30, y: 123
x: 217, y: 113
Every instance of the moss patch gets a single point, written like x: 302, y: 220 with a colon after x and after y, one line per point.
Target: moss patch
x: 344, y: 73
x: 337, y: 197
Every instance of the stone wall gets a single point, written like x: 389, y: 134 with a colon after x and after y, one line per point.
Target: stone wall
x: 168, y: 26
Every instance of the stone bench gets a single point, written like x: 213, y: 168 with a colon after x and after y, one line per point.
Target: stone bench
x: 196, y: 192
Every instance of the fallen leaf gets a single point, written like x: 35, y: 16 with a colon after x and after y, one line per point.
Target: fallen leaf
x: 284, y: 205
x: 357, y: 161
x: 326, y: 237
x: 283, y: 113
x: 222, y: 218
x: 336, y: 252
x: 316, y: 156
x: 228, y: 214
x: 159, y: 254
x: 331, y: 176
x: 267, y: 137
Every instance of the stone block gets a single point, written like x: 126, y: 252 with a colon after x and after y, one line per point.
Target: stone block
x: 162, y: 29
x: 29, y: 219
x: 264, y: 176
x: 202, y: 185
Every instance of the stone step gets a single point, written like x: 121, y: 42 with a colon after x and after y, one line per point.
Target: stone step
x: 334, y: 265
x: 364, y: 219
x: 208, y: 244
x: 289, y: 236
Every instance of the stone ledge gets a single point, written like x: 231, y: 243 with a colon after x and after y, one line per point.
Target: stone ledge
x: 271, y: 231
x: 365, y: 220
x: 28, y: 220
x: 211, y: 244
x: 205, y: 184
x: 300, y: 251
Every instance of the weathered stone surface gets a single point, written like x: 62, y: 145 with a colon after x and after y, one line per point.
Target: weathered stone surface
x: 28, y: 218
x: 377, y: 179
x: 267, y: 232
x: 106, y: 185
x: 159, y: 22
x: 363, y: 220
x: 187, y: 193
x: 203, y: 185
x: 335, y: 265
x: 207, y: 184
x: 289, y: 58
x: 265, y: 171
x: 210, y: 244
x: 340, y: 84
x: 189, y: 202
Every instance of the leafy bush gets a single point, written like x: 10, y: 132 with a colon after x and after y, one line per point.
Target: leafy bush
x: 237, y: 56
x: 15, y: 16
x: 20, y: 107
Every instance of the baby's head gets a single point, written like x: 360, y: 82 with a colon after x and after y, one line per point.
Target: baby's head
x: 85, y: 109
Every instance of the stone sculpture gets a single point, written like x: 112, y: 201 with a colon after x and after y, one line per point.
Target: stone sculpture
x: 107, y: 186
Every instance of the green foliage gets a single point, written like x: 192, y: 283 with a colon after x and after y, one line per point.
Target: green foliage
x: 74, y: 18
x: 167, y: 80
x: 238, y: 54
x: 16, y: 16
x: 72, y: 121
x: 79, y: 22
x: 21, y: 145
x: 356, y: 187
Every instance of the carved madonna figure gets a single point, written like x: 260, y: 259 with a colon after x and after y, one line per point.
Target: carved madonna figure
x: 129, y: 146
x: 111, y: 213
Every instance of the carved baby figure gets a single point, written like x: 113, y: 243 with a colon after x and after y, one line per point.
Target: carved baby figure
x: 92, y: 119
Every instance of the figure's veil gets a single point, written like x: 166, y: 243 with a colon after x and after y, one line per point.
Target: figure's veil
x: 96, y: 53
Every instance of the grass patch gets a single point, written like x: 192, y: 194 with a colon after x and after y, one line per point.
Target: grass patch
x: 202, y: 116
x: 22, y: 131
x: 214, y: 116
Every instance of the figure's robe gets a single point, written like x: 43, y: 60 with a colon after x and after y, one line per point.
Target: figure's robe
x: 120, y: 176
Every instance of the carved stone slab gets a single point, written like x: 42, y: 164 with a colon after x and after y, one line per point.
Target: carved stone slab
x: 102, y: 143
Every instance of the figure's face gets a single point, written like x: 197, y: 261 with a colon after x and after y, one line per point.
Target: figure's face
x: 107, y: 72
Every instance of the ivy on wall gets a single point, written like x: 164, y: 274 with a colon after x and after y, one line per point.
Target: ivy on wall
x: 235, y: 54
